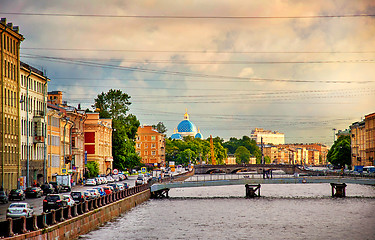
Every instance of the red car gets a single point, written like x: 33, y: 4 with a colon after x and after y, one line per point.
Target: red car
x: 108, y: 190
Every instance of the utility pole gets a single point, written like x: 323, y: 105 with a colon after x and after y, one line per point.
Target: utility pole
x: 261, y: 148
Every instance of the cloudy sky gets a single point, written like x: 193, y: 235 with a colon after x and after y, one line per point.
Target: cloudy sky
x: 298, y: 67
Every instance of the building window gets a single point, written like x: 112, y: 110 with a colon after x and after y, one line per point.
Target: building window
x: 153, y: 145
x: 146, y: 152
x: 153, y: 152
x: 138, y: 145
x: 152, y: 137
x: 146, y: 145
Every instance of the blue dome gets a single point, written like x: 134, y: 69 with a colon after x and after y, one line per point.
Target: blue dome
x: 186, y: 126
x: 199, y: 135
x: 176, y: 136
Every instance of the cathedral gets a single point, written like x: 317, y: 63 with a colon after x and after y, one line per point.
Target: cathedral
x: 186, y: 128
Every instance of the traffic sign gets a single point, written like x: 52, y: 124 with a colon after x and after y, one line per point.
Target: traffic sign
x: 115, y: 171
x: 143, y: 169
x: 63, y: 171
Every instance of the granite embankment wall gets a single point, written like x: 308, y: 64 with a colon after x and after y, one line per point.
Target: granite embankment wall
x: 71, y: 222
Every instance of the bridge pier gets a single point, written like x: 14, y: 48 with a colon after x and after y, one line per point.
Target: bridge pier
x: 163, y: 193
x: 251, y: 190
x: 340, y: 189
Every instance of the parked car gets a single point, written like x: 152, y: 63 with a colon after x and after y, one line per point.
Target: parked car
x: 47, y: 188
x: 53, y: 201
x: 88, y: 195
x: 114, y: 186
x: 121, y: 186
x: 17, y: 194
x: 126, y: 185
x: 110, y: 179
x: 57, y: 187
x: 94, y: 192
x: 78, y: 196
x: 98, y: 181
x: 16, y: 210
x: 69, y: 200
x: 3, y: 197
x: 108, y: 190
x: 139, y: 181
x: 100, y: 190
x: 116, y: 178
x: 90, y: 182
x: 104, y: 180
x: 33, y: 192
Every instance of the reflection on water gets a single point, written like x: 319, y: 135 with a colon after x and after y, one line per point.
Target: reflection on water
x: 304, y: 211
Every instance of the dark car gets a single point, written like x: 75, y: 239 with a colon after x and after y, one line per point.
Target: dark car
x: 53, y: 201
x: 17, y: 194
x: 58, y: 187
x: 78, y: 196
x: 115, y: 186
x: 33, y: 192
x: 3, y: 197
x: 47, y: 188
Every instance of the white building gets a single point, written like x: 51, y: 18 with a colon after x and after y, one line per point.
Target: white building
x: 33, y: 105
x: 269, y: 137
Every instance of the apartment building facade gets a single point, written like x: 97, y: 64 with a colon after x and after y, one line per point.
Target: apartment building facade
x: 33, y: 121
x: 150, y: 146
x: 10, y: 165
x: 98, y: 141
x: 267, y: 137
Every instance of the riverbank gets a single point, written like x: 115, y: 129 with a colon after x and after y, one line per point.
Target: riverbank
x: 82, y: 221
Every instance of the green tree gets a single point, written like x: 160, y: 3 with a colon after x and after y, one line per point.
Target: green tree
x: 340, y: 153
x: 242, y: 155
x: 93, y: 169
x: 267, y: 159
x: 160, y: 127
x: 246, y: 142
x: 115, y: 104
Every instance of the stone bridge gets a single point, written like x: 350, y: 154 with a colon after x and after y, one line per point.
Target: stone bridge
x: 228, y: 169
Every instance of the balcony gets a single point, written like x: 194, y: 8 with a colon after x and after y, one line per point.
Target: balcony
x: 38, y: 113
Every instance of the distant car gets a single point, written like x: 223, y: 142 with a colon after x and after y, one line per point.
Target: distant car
x: 88, y: 195
x: 98, y: 181
x: 16, y: 210
x: 78, y: 196
x: 110, y: 179
x: 3, y: 197
x: 94, y: 192
x: 47, y: 188
x: 139, y: 181
x: 114, y: 186
x: 108, y: 190
x: 17, y: 194
x: 121, y: 186
x: 116, y: 178
x: 90, y: 182
x: 53, y: 201
x: 104, y: 180
x: 100, y: 190
x: 34, y: 192
x: 58, y: 188
x: 69, y: 200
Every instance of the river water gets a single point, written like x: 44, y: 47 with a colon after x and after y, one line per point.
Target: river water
x: 290, y: 211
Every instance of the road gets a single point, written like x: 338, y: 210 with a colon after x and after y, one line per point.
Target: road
x: 37, y: 203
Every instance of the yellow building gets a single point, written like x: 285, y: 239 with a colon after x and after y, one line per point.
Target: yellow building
x: 150, y: 146
x: 370, y: 139
x: 358, y: 143
x: 10, y: 168
x: 98, y: 142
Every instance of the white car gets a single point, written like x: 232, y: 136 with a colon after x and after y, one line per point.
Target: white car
x: 94, y: 192
x: 90, y: 182
x: 16, y: 210
x: 110, y: 179
x: 69, y: 200
x: 104, y: 180
x: 98, y: 180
